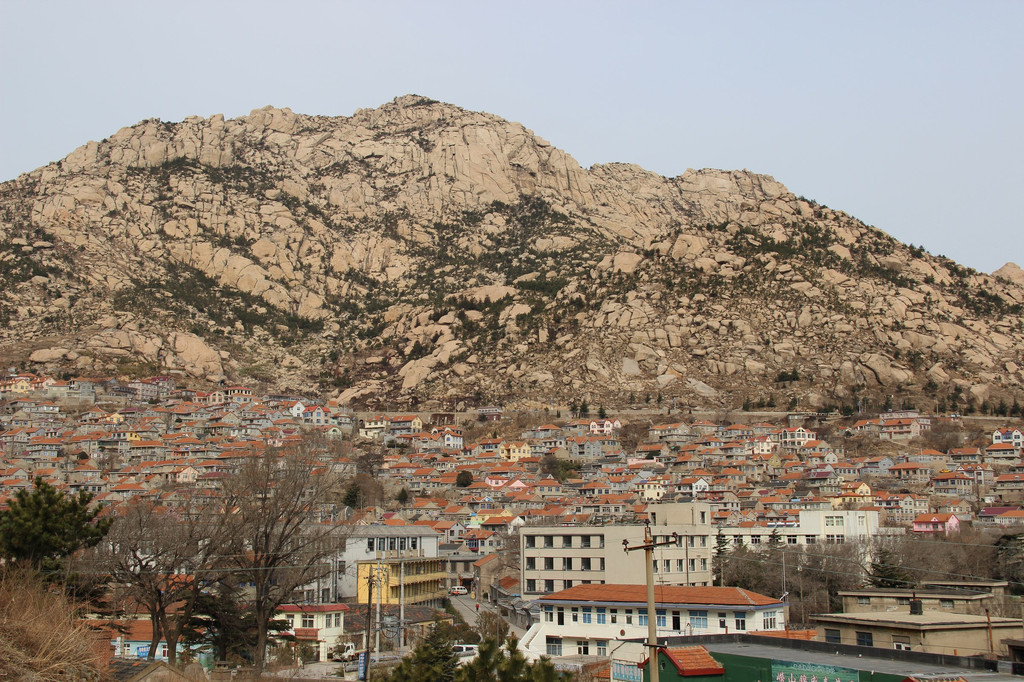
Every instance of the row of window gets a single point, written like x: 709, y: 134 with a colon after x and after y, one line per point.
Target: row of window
x: 566, y: 541
x: 548, y: 586
x: 697, y: 619
x: 308, y: 620
x: 899, y: 642
x: 390, y: 544
x: 565, y: 563
x: 789, y: 539
x: 554, y: 646
x: 597, y: 564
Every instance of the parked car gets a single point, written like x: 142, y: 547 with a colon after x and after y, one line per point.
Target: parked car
x: 458, y: 589
x: 465, y: 649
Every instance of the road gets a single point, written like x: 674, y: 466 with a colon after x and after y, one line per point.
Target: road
x: 466, y: 606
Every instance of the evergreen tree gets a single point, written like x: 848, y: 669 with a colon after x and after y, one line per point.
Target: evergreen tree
x: 886, y: 571
x: 720, y: 557
x: 42, y: 527
x: 433, y: 659
x: 403, y: 496
x: 351, y: 498
x: 464, y: 479
x: 494, y: 663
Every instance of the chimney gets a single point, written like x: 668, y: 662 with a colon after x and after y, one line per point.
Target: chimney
x: 916, y: 607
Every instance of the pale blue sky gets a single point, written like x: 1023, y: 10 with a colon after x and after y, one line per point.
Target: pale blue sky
x: 907, y: 115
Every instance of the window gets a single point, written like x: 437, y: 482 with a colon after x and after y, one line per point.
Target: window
x: 641, y: 617
x: 903, y: 601
x: 531, y: 563
x: 602, y: 616
x: 629, y: 617
x: 666, y: 565
x: 585, y: 541
x: 531, y: 585
x: 307, y: 620
x: 770, y: 620
x: 337, y: 620
x: 698, y: 620
x: 554, y: 646
x: 549, y: 585
x: 693, y: 565
x: 833, y: 636
x: 811, y: 539
x: 586, y: 614
x: 583, y: 647
x: 585, y: 564
x: 660, y: 618
x: 549, y: 614
x: 602, y: 647
x: 722, y: 625
x: 549, y: 563
x: 755, y: 539
x: 549, y: 540
x: 791, y: 539
x: 740, y: 618
x: 531, y: 541
x: 865, y: 639
x: 835, y: 539
x: 704, y: 564
x: 901, y: 643
x: 369, y: 544
x: 566, y: 584
x: 679, y: 565
x: 834, y: 521
x: 945, y: 603
x: 566, y: 541
x: 863, y: 601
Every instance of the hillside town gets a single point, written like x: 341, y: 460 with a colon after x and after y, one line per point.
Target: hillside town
x: 527, y: 514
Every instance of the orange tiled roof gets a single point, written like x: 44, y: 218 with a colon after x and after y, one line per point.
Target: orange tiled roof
x: 663, y: 594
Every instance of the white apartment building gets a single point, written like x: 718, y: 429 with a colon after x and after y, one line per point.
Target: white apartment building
x: 816, y: 526
x: 593, y: 620
x: 554, y: 558
x: 415, y: 546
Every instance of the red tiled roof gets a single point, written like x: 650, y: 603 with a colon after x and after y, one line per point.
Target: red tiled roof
x: 663, y: 594
x: 691, y: 661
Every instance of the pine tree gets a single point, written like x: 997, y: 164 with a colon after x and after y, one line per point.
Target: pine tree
x: 886, y: 571
x: 42, y: 527
x: 720, y: 557
x: 433, y: 659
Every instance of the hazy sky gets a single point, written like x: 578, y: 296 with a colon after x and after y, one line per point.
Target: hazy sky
x: 907, y: 115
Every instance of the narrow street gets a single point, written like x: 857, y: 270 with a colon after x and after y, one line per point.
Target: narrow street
x: 466, y: 606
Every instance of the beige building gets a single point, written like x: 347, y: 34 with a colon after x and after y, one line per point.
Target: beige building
x: 975, y: 597
x: 933, y: 632
x: 554, y: 558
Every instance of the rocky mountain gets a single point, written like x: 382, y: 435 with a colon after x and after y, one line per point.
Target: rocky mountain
x: 420, y: 252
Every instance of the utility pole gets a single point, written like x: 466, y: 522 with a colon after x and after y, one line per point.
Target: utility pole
x: 652, y: 615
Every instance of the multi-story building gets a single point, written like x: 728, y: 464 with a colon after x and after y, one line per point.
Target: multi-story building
x: 404, y: 560
x: 592, y: 620
x: 814, y: 526
x: 558, y: 557
x: 320, y: 626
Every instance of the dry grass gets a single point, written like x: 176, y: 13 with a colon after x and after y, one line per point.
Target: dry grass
x: 40, y: 635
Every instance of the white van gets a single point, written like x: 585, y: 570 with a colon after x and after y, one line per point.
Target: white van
x: 465, y: 649
x: 458, y: 589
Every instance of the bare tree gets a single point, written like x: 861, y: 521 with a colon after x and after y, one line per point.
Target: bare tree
x: 278, y: 518
x: 158, y: 556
